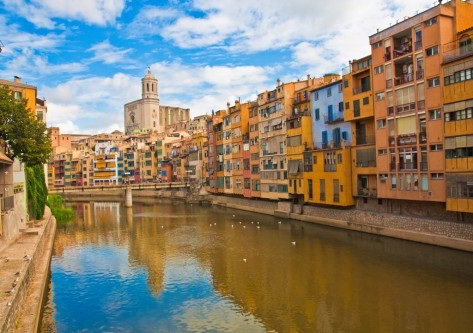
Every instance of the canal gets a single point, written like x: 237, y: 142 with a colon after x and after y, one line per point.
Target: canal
x: 172, y: 267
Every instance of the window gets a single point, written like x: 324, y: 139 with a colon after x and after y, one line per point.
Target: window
x: 383, y: 178
x: 425, y: 182
x: 366, y: 101
x: 432, y: 51
x: 345, y: 83
x: 436, y: 147
x: 381, y: 123
x: 356, y: 108
x: 382, y: 152
x: 309, y: 186
x: 430, y: 22
x: 379, y: 69
x: 378, y: 44
x: 393, y: 182
x: 317, y: 114
x: 434, y: 82
x: 340, y: 88
x: 329, y: 91
x: 322, y: 190
x: 281, y: 147
x: 347, y: 106
x: 17, y: 95
x: 435, y: 114
x: 380, y: 97
x: 340, y: 106
x: 316, y: 95
x: 436, y: 175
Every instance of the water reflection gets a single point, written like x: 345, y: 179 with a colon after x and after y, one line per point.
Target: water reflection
x: 171, y: 267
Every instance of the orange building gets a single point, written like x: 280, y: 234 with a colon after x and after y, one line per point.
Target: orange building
x: 458, y: 114
x: 253, y: 120
x: 408, y: 104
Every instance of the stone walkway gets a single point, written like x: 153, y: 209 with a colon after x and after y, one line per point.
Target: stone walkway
x: 18, y: 263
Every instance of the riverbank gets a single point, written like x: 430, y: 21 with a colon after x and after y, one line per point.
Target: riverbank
x: 24, y: 265
x: 450, y: 234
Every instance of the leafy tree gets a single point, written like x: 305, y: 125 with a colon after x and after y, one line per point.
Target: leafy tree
x: 27, y: 137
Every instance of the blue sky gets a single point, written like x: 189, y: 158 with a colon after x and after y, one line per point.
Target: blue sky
x: 87, y: 57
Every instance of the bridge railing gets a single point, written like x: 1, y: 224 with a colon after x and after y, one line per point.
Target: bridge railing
x: 118, y: 187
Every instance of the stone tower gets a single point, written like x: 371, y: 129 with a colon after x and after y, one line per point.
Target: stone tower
x: 149, y: 86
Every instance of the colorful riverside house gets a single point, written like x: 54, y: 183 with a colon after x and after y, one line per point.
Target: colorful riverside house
x: 359, y: 111
x: 406, y: 60
x: 299, y: 137
x: 254, y: 150
x: 22, y: 90
x: 147, y: 162
x: 327, y: 168
x: 458, y: 115
x: 218, y: 123
x: 227, y: 157
x: 130, y: 162
x: 105, y: 165
x: 211, y: 155
x: 239, y: 124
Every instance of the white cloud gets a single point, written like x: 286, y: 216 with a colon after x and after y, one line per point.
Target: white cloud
x: 42, y: 12
x: 149, y: 21
x: 109, y: 54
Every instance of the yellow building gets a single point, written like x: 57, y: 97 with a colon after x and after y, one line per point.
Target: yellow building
x: 327, y: 175
x: 359, y: 110
x: 458, y: 119
x: 23, y: 90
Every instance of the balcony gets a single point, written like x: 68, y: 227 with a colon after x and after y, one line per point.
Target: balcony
x: 407, y: 166
x: 402, y: 46
x: 408, y: 107
x: 457, y: 50
x: 357, y: 91
x: 335, y: 117
x: 420, y: 105
x: 362, y: 139
x: 366, y: 164
x: 420, y: 74
x: 392, y: 167
x: 418, y: 45
x: 332, y: 144
x: 424, y: 166
x: 390, y: 110
x: 403, y: 79
x: 387, y: 56
x: 330, y: 167
x: 423, y: 137
x: 392, y: 141
x: 389, y: 83
x: 367, y: 192
x: 407, y: 139
x: 300, y: 99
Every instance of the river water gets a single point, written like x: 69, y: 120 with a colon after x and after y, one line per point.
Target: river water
x: 172, y: 267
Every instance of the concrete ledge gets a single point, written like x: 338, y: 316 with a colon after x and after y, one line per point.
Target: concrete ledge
x: 281, y: 214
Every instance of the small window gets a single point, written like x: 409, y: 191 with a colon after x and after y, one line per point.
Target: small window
x: 340, y: 106
x: 432, y: 51
x: 346, y: 83
x: 430, y: 22
x: 383, y: 178
x: 434, y: 82
x: 316, y: 95
x: 436, y: 175
x: 382, y: 152
x: 435, y: 114
x: 380, y: 96
x: 379, y: 69
x: 436, y: 147
x: 366, y: 101
x: 347, y: 106
x: 393, y: 182
x: 317, y: 114
x: 381, y: 123
x: 376, y: 45
x: 329, y: 91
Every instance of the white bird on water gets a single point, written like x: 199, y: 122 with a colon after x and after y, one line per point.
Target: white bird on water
x: 293, y: 243
x: 233, y: 215
x: 244, y: 227
x: 279, y: 222
x: 210, y: 225
x: 162, y: 227
x: 257, y: 222
x: 251, y: 222
x: 232, y: 225
x: 215, y: 223
x: 257, y: 227
x: 239, y: 222
x: 244, y: 260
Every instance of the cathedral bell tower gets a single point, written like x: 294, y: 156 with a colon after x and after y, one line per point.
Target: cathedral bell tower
x: 149, y: 86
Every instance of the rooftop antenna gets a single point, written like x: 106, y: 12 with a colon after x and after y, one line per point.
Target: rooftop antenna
x: 1, y: 45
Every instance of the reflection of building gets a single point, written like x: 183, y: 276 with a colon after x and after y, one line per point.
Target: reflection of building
x: 147, y: 114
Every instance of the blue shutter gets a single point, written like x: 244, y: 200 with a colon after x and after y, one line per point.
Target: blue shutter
x: 317, y: 114
x: 336, y: 136
x: 345, y: 135
x: 330, y: 113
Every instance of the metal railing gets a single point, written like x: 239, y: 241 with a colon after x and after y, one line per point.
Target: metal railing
x: 453, y: 51
x: 367, y: 192
x: 407, y: 166
x: 423, y: 137
x: 420, y: 74
x: 362, y: 139
x: 336, y: 117
x: 330, y: 167
x: 408, y: 139
x: 400, y: 52
x: 406, y: 78
x: 387, y: 56
x: 390, y: 110
x: 406, y: 107
x: 366, y: 164
x: 424, y: 166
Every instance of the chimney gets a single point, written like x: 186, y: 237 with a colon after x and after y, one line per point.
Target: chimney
x: 308, y: 77
x: 17, y: 79
x: 278, y: 82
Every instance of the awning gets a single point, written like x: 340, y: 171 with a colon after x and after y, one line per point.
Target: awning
x: 5, y: 159
x: 294, y: 167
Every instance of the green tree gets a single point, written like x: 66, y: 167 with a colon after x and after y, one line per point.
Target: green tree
x: 27, y: 137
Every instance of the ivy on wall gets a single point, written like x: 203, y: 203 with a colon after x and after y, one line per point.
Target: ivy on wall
x: 37, y: 192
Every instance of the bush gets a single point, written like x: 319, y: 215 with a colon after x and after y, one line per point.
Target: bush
x: 36, y: 191
x: 56, y: 204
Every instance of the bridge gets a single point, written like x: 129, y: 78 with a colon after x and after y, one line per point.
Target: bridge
x: 152, y: 186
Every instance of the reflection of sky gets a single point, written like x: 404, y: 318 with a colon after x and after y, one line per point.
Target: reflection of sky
x: 97, y: 291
